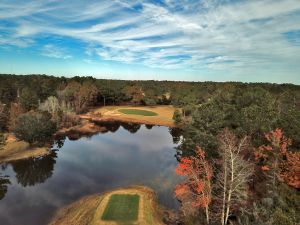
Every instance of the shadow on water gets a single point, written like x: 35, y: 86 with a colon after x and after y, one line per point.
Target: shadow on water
x: 103, y: 127
x: 149, y: 126
x: 29, y: 172
x: 4, y: 182
x: 112, y: 126
x: 131, y: 127
x: 176, y: 134
x: 35, y: 170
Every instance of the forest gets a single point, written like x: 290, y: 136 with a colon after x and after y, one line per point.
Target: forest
x: 239, y: 152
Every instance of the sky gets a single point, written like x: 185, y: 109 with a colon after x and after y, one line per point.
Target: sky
x: 192, y: 40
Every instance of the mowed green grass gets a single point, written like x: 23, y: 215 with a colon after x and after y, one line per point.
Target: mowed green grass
x: 138, y: 112
x: 122, y: 207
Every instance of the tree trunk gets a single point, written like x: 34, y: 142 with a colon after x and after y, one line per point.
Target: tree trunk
x: 224, y: 195
x: 207, y: 215
x: 230, y: 188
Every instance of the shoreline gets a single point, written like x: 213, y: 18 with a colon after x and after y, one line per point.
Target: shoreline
x: 85, y: 128
x: 15, y: 149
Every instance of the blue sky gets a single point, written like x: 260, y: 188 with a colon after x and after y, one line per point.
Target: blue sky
x: 217, y: 40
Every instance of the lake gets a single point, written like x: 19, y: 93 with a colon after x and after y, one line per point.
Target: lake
x: 127, y: 154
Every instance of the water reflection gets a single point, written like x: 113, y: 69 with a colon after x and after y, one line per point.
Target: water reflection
x: 35, y: 170
x: 4, y: 182
x: 110, y: 126
x: 128, y: 154
x: 176, y: 134
x: 59, y: 142
x: 131, y: 127
x: 149, y: 126
x: 113, y: 126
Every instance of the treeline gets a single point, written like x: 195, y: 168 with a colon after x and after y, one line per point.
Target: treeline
x: 206, y: 107
x: 246, y: 110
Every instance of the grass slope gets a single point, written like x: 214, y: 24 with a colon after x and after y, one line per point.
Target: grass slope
x: 90, y: 209
x: 122, y: 207
x: 16, y: 150
x: 138, y: 112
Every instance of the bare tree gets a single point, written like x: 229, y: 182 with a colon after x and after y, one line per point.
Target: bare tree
x: 234, y: 174
x: 51, y: 105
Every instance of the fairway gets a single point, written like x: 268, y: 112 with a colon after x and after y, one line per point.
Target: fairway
x: 138, y: 112
x: 122, y: 207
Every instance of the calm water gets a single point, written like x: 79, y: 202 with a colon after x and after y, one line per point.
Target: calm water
x: 32, y: 190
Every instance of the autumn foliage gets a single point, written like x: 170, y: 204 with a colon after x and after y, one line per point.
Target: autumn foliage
x: 290, y: 169
x: 195, y: 190
x: 278, y: 145
x: 276, y: 158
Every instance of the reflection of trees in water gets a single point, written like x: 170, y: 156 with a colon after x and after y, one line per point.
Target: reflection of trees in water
x: 176, y: 134
x: 109, y: 126
x: 4, y: 181
x: 131, y: 127
x: 59, y: 142
x: 32, y: 171
x: 148, y: 126
x: 114, y: 126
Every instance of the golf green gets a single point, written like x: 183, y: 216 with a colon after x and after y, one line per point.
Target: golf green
x: 138, y: 112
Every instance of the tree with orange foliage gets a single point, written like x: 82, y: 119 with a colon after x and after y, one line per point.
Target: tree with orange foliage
x: 290, y: 169
x: 272, y: 154
x: 196, y: 190
x: 278, y: 162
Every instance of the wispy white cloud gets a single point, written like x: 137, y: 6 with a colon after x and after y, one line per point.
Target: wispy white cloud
x: 54, y: 52
x: 241, y: 36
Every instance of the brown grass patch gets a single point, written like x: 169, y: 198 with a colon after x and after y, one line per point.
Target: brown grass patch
x: 16, y: 150
x: 81, y: 212
x: 86, y: 128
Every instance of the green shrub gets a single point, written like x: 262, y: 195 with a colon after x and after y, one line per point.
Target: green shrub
x: 177, y: 116
x: 34, y: 127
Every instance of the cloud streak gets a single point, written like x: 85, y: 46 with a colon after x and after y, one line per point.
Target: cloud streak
x: 54, y: 52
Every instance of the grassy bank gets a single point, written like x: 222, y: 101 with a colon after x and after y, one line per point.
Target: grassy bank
x: 85, y: 128
x: 112, y: 208
x: 16, y: 150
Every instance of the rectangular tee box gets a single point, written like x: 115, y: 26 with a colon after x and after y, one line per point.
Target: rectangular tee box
x: 122, y: 207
